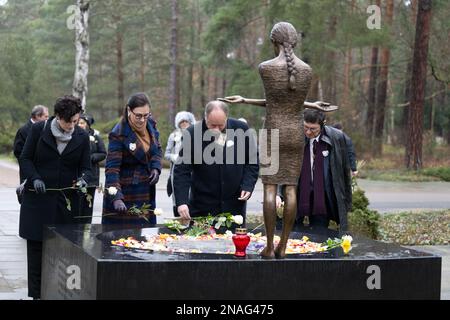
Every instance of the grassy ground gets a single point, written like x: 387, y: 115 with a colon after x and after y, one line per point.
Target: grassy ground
x: 391, y: 166
x: 416, y: 228
x: 407, y: 228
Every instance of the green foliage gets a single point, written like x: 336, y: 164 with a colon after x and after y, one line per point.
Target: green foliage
x: 361, y: 219
x: 359, y: 200
x: 220, y: 44
x: 17, y: 75
x: 225, y: 26
x: 6, y: 141
x: 364, y: 222
x: 205, y: 224
x: 401, y: 175
x: 443, y: 173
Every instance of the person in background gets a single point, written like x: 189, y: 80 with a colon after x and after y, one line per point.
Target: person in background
x: 350, y: 150
x: 183, y: 120
x: 98, y: 154
x: 38, y: 113
x: 133, y: 164
x: 54, y: 159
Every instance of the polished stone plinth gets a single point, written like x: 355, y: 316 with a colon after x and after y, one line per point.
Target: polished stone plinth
x: 80, y: 263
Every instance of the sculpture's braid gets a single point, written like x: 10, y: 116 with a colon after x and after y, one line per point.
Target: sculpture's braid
x: 292, y: 71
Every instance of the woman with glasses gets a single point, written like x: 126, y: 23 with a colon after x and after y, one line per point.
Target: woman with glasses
x: 133, y: 165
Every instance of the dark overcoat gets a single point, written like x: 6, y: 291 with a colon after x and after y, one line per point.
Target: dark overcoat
x: 98, y: 154
x: 40, y: 159
x: 213, y: 187
x: 128, y: 169
x: 337, y: 179
x: 19, y: 142
x: 21, y: 137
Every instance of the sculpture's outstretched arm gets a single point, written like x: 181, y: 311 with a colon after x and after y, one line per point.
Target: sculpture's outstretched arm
x: 239, y: 99
x: 320, y: 105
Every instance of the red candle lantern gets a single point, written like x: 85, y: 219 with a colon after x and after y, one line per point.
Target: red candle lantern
x: 241, y: 240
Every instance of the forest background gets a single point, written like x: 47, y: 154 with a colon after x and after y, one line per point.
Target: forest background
x: 367, y: 57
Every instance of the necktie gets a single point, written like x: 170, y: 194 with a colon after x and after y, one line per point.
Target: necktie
x: 314, y: 148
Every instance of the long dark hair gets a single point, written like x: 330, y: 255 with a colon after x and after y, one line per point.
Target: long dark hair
x: 136, y: 100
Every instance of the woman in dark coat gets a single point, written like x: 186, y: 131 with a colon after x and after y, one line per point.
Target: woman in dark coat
x: 133, y: 164
x: 98, y: 154
x: 55, y: 156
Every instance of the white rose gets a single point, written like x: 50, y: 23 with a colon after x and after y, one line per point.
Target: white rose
x: 230, y: 143
x: 158, y: 211
x: 221, y: 140
x: 238, y: 219
x: 112, y: 191
x: 132, y: 146
x: 347, y: 237
x: 92, y: 138
x: 325, y: 153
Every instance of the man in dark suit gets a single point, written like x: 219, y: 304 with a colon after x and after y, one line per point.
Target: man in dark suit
x: 38, y: 113
x: 218, y: 165
x: 324, y: 189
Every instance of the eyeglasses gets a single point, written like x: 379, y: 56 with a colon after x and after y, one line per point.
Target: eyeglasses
x: 140, y: 116
x: 312, y: 130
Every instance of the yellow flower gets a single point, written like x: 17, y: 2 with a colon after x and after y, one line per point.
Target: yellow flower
x: 346, y: 244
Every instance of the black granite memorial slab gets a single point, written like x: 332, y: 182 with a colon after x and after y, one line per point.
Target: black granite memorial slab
x: 79, y: 262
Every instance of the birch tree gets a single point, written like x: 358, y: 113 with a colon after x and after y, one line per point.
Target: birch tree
x: 80, y: 84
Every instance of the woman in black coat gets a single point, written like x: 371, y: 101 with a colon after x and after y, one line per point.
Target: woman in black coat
x: 98, y: 154
x: 55, y: 156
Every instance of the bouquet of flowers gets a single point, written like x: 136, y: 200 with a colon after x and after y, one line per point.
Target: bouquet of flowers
x: 204, y: 225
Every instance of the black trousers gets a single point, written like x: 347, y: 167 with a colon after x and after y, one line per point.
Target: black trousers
x: 320, y: 221
x: 34, y: 263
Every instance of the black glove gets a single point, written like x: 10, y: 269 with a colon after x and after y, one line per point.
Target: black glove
x: 119, y: 206
x: 39, y: 186
x: 81, y: 183
x: 19, y: 192
x: 154, y: 177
